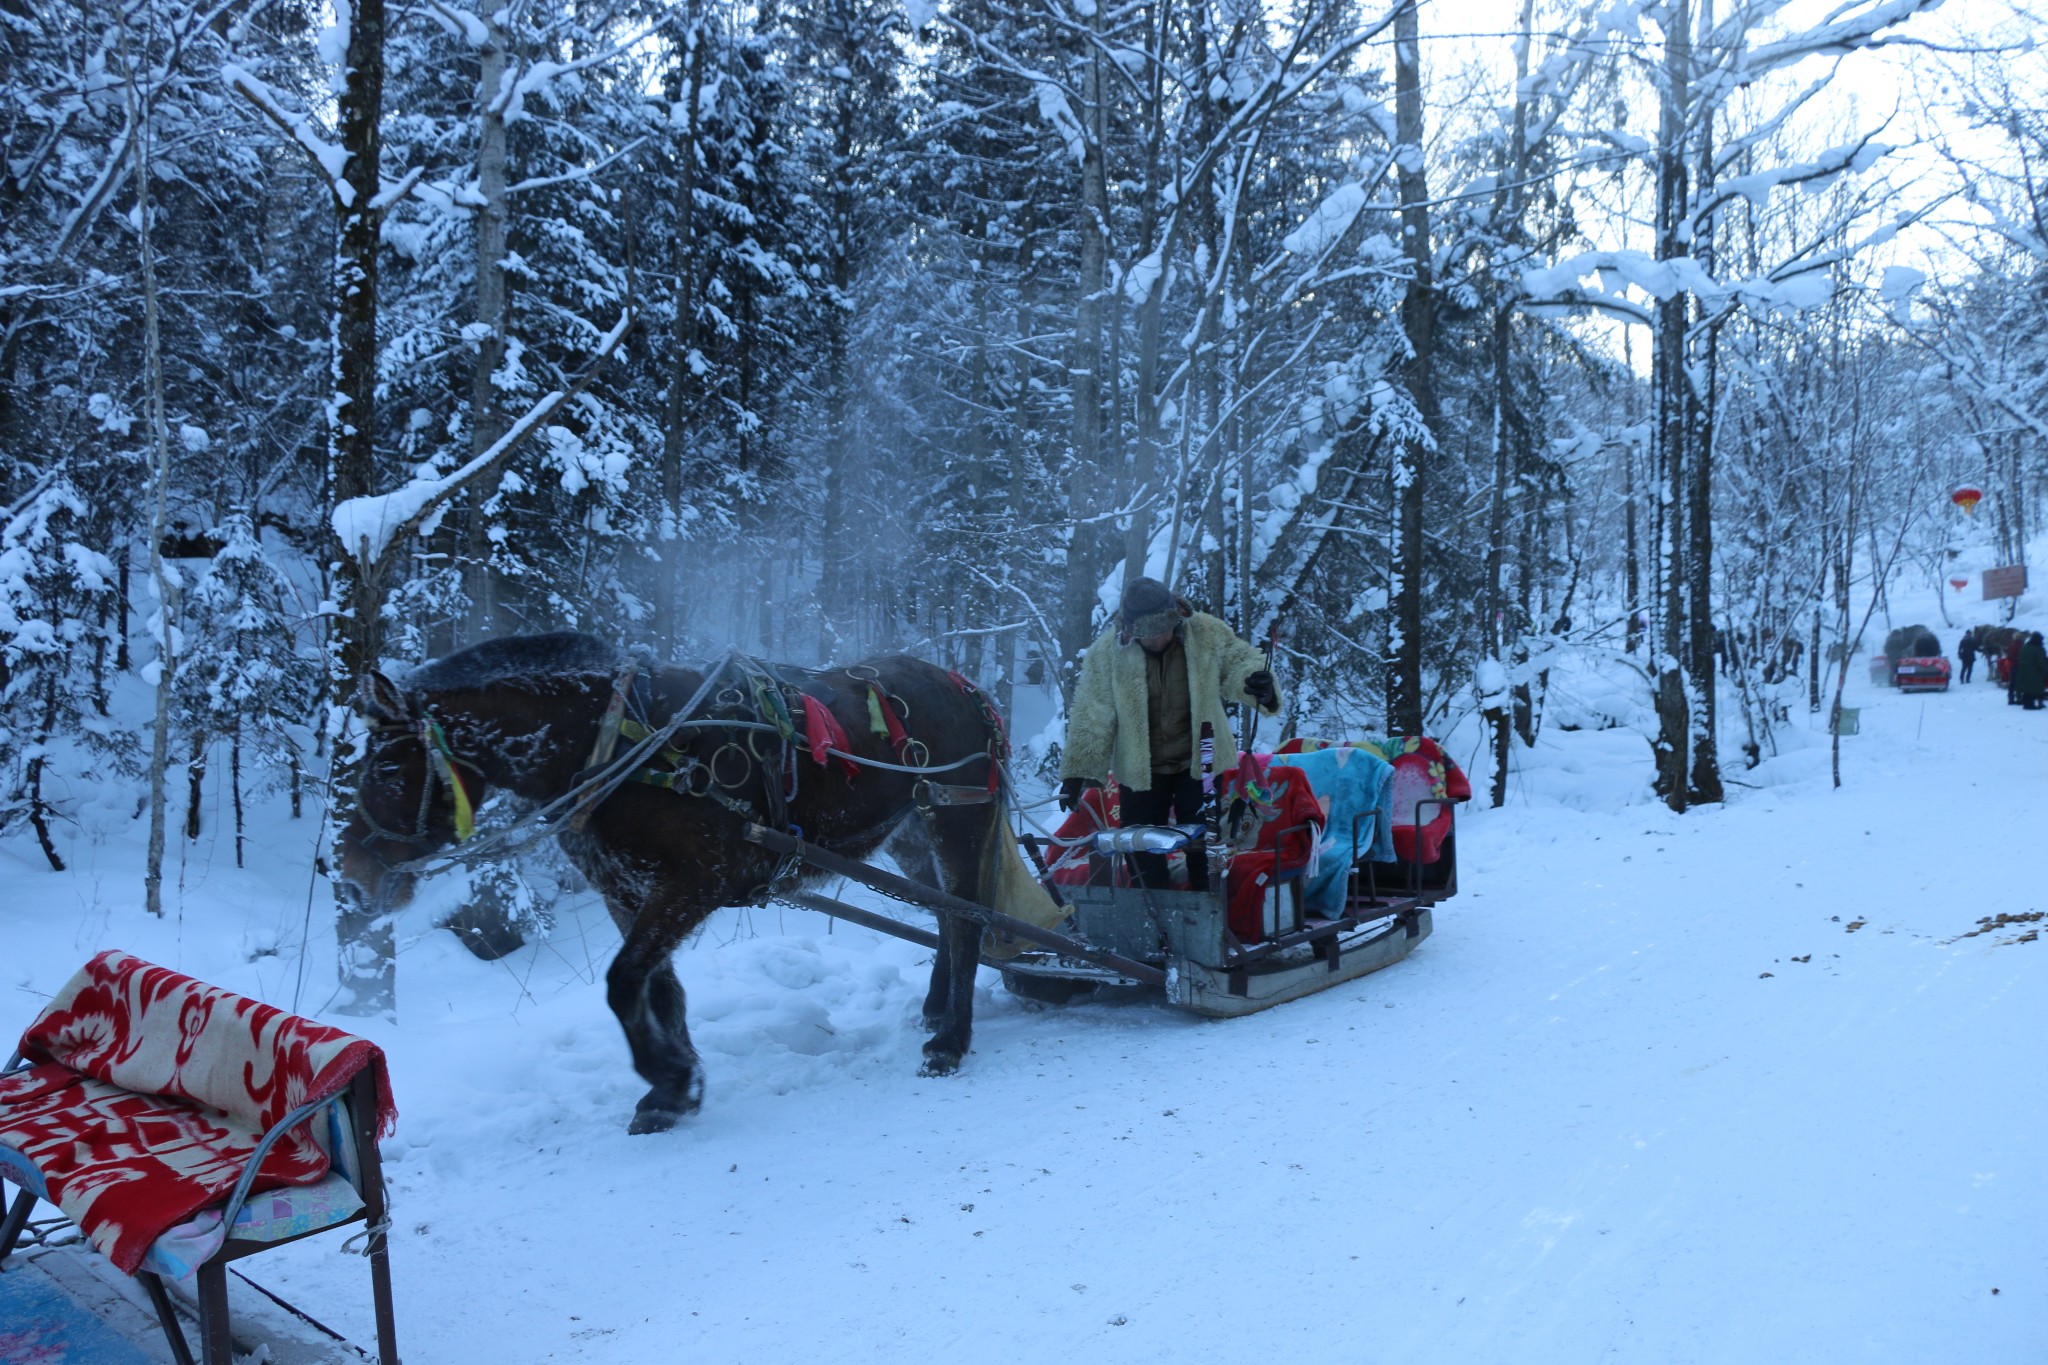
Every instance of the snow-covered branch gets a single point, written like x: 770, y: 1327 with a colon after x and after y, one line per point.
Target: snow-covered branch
x: 369, y: 526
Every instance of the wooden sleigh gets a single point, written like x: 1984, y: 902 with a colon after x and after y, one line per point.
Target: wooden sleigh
x: 1195, y: 949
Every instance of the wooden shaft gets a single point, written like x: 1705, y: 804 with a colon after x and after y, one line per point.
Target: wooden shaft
x: 932, y: 898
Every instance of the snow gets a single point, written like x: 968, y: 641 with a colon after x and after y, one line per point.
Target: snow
x: 1720, y: 1087
x: 331, y: 158
x: 1055, y: 110
x: 1330, y: 221
x: 1619, y: 271
x: 366, y: 525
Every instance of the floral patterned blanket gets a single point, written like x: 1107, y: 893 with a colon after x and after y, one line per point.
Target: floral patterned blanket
x: 151, y: 1091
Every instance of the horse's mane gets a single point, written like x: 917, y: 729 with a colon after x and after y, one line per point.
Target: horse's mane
x: 515, y: 658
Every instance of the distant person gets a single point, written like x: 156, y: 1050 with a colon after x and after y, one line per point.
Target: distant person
x: 1966, y: 650
x: 1146, y: 687
x: 2030, y: 673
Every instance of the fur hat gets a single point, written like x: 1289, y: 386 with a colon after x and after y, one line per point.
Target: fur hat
x: 1149, y: 608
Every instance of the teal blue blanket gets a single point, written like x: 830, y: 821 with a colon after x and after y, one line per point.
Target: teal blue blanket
x: 1349, y: 782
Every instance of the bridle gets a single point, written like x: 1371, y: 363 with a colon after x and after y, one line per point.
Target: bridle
x: 441, y: 765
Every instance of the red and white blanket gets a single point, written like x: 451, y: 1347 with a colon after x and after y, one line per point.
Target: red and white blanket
x: 153, y: 1089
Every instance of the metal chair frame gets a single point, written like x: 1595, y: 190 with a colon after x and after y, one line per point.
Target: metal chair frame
x: 359, y: 1106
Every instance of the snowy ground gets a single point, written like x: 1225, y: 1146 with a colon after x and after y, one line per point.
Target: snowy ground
x: 1720, y: 1087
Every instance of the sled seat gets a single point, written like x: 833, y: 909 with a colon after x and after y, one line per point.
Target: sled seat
x: 182, y: 1127
x: 1427, y: 784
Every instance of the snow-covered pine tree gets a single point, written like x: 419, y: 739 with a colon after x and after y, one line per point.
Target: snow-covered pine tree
x: 53, y: 587
x: 245, y: 678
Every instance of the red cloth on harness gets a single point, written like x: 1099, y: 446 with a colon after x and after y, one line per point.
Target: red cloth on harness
x: 999, y: 743
x: 823, y: 732
x: 153, y: 1091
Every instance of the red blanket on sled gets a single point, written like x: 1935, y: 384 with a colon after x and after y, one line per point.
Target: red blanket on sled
x: 153, y: 1089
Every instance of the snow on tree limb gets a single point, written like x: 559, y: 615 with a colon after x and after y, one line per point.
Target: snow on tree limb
x: 369, y: 526
x: 331, y: 159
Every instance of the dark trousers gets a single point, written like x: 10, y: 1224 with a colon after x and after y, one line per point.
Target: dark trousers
x: 1969, y: 662
x: 1174, y: 799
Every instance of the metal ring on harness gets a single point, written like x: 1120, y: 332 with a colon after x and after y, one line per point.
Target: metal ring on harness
x: 902, y: 707
x: 921, y: 796
x: 863, y: 672
x: 730, y: 697
x: 753, y: 736
x: 697, y: 780
x: 915, y: 754
x: 746, y: 766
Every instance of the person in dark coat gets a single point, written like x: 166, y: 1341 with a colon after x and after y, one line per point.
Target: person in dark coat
x: 2030, y: 673
x: 1966, y: 650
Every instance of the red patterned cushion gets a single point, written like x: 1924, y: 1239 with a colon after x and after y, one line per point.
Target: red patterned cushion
x: 153, y: 1089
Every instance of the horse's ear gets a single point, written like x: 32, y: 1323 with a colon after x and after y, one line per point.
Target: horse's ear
x: 383, y: 702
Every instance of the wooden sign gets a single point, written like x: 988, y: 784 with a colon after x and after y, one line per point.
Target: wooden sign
x: 2009, y: 581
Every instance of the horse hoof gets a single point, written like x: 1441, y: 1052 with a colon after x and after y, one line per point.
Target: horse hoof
x: 654, y: 1115
x: 939, y: 1064
x: 652, y: 1121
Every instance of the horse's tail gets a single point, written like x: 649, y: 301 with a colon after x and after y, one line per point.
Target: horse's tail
x: 1009, y: 886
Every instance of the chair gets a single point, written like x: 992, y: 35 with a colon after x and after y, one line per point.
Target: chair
x: 73, y: 1108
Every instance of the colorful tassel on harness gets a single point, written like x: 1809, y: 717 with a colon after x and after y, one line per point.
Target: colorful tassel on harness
x: 823, y: 733
x: 443, y: 759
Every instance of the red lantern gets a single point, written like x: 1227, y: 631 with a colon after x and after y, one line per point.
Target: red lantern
x: 1967, y: 498
x: 1959, y: 583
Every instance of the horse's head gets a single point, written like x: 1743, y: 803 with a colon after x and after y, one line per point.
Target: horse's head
x: 413, y: 795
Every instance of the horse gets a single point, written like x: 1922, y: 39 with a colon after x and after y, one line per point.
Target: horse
x: 528, y: 715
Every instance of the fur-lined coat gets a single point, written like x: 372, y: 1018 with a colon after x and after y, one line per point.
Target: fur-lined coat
x: 1106, y: 726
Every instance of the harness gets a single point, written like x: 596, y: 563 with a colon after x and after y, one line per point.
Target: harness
x: 767, y: 721
x: 772, y: 725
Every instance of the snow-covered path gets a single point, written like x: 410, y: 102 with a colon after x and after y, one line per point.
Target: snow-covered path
x: 1719, y: 1087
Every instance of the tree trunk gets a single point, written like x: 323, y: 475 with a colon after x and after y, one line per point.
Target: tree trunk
x: 38, y: 809
x: 1507, y: 212
x: 682, y: 373
x: 195, y: 784
x: 837, y: 551
x: 1418, y: 318
x: 1669, y: 389
x: 486, y: 412
x: 368, y: 948
x: 235, y: 784
x: 1703, y: 391
x: 1084, y: 551
x: 1632, y: 569
x: 1145, y: 401
x: 166, y: 591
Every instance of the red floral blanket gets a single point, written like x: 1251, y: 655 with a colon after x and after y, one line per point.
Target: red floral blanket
x: 153, y: 1090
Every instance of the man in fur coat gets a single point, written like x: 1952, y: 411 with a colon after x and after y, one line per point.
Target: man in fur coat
x: 1146, y: 687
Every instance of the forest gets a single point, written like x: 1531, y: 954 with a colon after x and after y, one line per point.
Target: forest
x: 1444, y: 351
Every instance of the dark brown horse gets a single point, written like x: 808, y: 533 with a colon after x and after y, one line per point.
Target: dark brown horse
x: 524, y: 714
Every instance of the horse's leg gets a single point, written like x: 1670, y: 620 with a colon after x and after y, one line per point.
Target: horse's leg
x: 958, y: 837
x: 644, y: 993
x: 910, y: 847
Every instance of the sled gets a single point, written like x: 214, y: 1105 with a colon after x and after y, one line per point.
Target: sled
x: 1209, y: 967
x: 1921, y: 673
x: 1243, y: 945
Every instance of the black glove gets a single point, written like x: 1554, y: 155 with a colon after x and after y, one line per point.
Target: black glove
x: 1071, y: 789
x: 1259, y: 687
